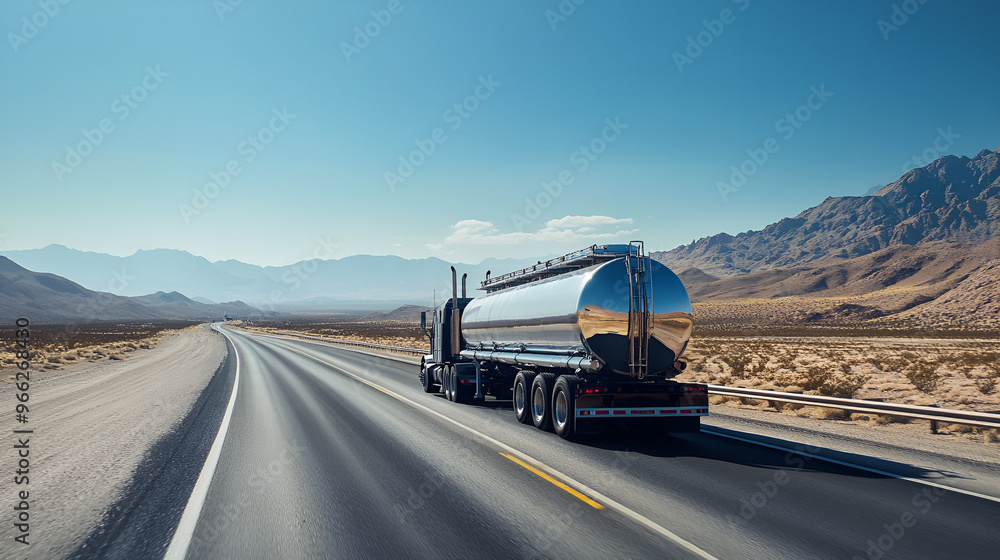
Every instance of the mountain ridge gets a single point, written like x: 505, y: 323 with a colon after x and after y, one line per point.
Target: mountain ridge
x: 953, y: 198
x: 45, y: 297
x: 314, y: 284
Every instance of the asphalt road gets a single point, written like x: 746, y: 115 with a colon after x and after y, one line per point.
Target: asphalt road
x: 334, y: 453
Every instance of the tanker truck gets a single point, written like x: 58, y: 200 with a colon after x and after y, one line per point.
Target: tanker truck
x: 580, y: 344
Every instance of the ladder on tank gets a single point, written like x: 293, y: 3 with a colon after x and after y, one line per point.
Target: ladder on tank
x: 640, y: 308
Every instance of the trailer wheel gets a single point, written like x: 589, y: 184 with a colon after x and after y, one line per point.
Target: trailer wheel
x: 563, y: 406
x: 522, y: 396
x: 541, y: 401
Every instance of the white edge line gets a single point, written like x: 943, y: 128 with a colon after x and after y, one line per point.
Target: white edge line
x: 605, y: 500
x: 855, y: 466
x: 179, y: 545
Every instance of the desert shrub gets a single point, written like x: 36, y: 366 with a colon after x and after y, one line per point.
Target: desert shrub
x: 826, y: 382
x: 814, y: 378
x: 973, y: 359
x: 845, y: 385
x: 739, y: 364
x: 987, y: 385
x: 923, y: 375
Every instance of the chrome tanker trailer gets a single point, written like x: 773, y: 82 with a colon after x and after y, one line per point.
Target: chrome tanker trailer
x: 579, y: 343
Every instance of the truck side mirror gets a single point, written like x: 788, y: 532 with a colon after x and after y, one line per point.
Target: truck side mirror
x: 423, y: 319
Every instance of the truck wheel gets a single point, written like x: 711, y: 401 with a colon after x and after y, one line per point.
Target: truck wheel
x: 427, y: 379
x: 563, y: 406
x: 522, y: 396
x: 541, y: 401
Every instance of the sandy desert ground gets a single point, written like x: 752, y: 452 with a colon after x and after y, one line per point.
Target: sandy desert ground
x: 94, y: 420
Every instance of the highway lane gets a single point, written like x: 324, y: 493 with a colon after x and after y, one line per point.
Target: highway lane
x: 317, y: 463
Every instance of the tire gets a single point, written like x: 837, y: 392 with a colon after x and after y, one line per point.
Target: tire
x: 446, y: 383
x: 522, y: 396
x: 541, y: 401
x: 427, y: 380
x: 563, y: 407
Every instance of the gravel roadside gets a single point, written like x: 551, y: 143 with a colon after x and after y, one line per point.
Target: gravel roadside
x: 93, y: 424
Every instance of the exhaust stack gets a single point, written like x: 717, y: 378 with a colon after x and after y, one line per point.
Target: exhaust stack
x: 464, y: 276
x: 455, y: 324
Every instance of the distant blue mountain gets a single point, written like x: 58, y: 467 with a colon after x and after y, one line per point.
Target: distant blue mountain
x: 373, y: 282
x: 45, y: 297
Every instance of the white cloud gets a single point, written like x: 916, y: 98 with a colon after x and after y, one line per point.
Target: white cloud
x: 582, y: 230
x: 473, y: 226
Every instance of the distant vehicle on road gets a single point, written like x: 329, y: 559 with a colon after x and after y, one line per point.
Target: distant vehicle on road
x: 579, y: 343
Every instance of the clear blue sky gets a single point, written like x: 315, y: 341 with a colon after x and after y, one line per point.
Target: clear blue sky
x: 197, y: 85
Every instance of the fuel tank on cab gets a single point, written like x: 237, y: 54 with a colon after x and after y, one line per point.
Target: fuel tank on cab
x: 585, y: 312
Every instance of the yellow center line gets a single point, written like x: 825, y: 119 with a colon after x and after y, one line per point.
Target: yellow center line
x: 572, y: 491
x: 614, y: 505
x: 374, y: 386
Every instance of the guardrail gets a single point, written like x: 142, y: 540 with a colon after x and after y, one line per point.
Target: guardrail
x: 930, y: 413
x: 358, y: 343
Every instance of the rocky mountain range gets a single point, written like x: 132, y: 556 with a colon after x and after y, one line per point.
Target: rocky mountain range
x: 924, y: 247
x: 954, y: 199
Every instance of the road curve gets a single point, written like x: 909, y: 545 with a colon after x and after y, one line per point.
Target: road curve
x: 334, y: 453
